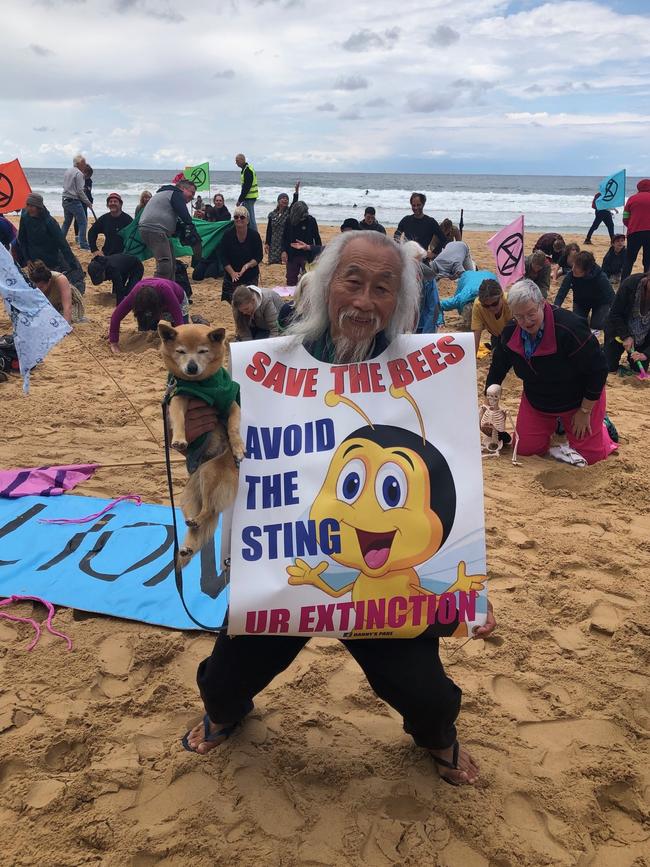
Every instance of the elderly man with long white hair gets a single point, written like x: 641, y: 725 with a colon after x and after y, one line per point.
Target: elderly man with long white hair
x: 363, y: 293
x: 563, y: 370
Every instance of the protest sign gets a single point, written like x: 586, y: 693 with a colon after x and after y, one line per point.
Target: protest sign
x: 507, y: 247
x: 360, y: 503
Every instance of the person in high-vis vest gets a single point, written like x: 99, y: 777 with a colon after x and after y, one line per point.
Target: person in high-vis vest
x: 249, y: 191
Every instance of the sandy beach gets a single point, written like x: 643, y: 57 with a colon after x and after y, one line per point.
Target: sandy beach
x: 556, y: 705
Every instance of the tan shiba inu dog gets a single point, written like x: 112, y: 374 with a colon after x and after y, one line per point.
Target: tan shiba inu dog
x: 194, y: 356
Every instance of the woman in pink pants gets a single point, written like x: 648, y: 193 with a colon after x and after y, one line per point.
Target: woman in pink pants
x: 563, y: 370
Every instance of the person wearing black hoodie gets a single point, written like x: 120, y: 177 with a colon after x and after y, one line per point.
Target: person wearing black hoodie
x: 592, y: 291
x: 628, y: 324
x: 122, y: 269
x: 300, y: 227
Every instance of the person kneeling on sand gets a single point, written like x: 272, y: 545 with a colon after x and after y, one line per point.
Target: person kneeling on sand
x: 363, y: 293
x: 62, y: 295
x: 563, y: 370
x: 256, y: 312
x: 151, y: 300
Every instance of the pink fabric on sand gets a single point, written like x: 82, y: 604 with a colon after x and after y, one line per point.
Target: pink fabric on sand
x: 43, y: 481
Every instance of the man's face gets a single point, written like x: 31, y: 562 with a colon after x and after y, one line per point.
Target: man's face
x: 417, y: 206
x: 369, y: 219
x: 188, y: 193
x: 529, y: 316
x: 248, y: 308
x: 577, y: 271
x: 115, y: 207
x: 240, y: 161
x: 364, y: 290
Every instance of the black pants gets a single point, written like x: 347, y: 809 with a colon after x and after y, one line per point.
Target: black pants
x: 602, y: 217
x: 635, y: 242
x: 405, y: 672
x: 207, y: 268
x: 598, y: 314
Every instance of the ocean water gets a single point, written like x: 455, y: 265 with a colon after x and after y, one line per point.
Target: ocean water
x: 489, y: 201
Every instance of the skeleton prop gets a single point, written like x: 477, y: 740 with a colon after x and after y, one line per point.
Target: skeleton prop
x: 493, y: 421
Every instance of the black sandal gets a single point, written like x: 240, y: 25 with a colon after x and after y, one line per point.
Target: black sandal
x: 452, y: 765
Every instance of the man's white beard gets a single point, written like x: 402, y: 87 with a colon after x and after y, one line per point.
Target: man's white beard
x: 351, y: 350
x: 348, y: 350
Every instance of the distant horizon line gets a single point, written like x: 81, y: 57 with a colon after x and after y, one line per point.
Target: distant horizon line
x: 329, y: 172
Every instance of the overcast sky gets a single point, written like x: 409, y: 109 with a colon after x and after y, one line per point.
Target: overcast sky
x: 440, y: 86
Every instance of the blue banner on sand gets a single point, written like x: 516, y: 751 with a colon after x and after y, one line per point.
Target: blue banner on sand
x: 119, y: 564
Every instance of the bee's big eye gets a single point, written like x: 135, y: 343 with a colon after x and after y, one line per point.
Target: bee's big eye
x: 391, y: 486
x: 351, y: 481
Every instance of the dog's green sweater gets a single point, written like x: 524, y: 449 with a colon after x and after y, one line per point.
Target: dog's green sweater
x: 217, y: 390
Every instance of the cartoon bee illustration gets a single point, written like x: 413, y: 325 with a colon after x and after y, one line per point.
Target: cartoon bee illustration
x: 394, y: 497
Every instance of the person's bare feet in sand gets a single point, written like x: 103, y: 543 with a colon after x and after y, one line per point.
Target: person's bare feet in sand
x: 196, y: 738
x: 465, y: 774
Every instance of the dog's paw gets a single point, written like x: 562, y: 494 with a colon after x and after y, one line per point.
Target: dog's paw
x: 180, y: 445
x: 185, y: 554
x: 192, y: 522
x: 238, y: 451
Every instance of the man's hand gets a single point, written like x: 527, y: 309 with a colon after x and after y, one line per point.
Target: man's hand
x: 581, y: 424
x: 488, y: 627
x: 200, y: 418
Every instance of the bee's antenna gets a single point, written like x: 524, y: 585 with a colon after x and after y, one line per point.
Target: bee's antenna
x: 402, y: 392
x: 333, y: 399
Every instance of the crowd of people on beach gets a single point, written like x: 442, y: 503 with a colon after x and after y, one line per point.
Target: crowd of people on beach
x: 604, y: 296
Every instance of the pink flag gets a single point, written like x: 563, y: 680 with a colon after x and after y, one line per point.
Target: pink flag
x: 507, y: 247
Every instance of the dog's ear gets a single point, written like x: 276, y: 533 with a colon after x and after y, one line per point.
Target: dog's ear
x: 167, y: 332
x: 217, y: 335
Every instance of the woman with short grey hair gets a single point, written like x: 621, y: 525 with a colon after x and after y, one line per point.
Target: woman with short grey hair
x: 563, y: 371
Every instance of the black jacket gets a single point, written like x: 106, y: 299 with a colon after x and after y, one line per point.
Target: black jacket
x: 621, y: 312
x: 307, y: 231
x: 109, y: 226
x: 566, y: 367
x: 613, y: 262
x: 592, y: 290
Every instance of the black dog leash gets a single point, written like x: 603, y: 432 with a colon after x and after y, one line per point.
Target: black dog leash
x: 178, y: 573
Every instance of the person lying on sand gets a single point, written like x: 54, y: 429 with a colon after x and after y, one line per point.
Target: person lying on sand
x: 353, y: 314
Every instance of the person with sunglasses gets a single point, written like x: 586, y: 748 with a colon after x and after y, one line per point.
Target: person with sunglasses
x: 490, y: 312
x: 241, y: 253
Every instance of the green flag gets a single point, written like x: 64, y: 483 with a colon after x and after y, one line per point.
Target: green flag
x: 199, y: 175
x: 209, y: 233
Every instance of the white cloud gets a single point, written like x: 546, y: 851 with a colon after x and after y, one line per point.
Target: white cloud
x: 493, y: 86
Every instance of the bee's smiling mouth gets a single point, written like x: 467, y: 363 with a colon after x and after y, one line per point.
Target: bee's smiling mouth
x: 375, y: 547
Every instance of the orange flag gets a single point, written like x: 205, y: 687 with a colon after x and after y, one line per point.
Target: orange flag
x: 14, y: 188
